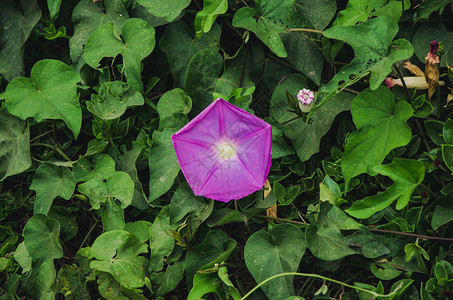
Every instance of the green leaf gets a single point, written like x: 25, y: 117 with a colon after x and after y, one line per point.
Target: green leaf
x: 117, y: 253
x: 324, y: 238
x: 119, y: 185
x: 215, y: 248
x: 49, y: 182
x: 171, y: 103
x: 205, y: 283
x: 17, y: 19
x: 270, y: 253
x: 206, y: 17
x: 427, y: 8
x: 203, y: 71
x: 172, y: 277
x: 111, y: 289
x: 225, y: 216
x: 356, y: 11
x: 127, y: 163
x: 305, y: 137
x: 266, y: 21
x: 230, y: 86
x: 381, y: 127
x: 112, y: 215
x: 163, y: 164
x: 184, y: 201
x: 40, y: 282
x: 433, y: 32
x: 443, y: 213
x: 141, y: 229
x: 304, y: 55
x: 49, y: 93
x: 435, y: 129
x: 54, y: 8
x: 22, y: 257
x: 113, y: 99
x: 68, y: 223
x: 318, y: 12
x: 167, y: 9
x: 88, y: 16
x: 179, y: 46
x: 447, y: 155
x: 41, y: 239
x: 101, y: 167
x: 406, y: 174
x: 135, y: 43
x: 71, y: 283
x: 374, y: 52
x: 360, y: 10
x: 161, y: 243
x: 14, y: 145
x: 447, y: 131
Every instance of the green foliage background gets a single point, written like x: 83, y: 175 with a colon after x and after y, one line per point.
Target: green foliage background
x: 92, y: 200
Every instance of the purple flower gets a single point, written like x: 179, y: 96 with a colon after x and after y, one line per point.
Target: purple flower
x: 305, y: 98
x: 224, y: 152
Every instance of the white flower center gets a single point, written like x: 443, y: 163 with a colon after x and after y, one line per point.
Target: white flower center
x: 225, y: 149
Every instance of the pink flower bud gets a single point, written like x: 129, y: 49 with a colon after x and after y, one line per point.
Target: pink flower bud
x: 305, y: 98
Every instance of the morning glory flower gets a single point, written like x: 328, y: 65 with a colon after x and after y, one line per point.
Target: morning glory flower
x: 305, y: 97
x: 224, y: 152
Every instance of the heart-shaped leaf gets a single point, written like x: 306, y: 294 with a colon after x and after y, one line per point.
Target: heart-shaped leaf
x: 215, y: 248
x: 374, y: 52
x: 119, y: 185
x: 270, y: 253
x: 113, y: 99
x: 381, y: 127
x: 88, y: 16
x: 167, y: 9
x: 173, y: 102
x: 265, y: 20
x: 305, y: 136
x: 163, y: 164
x: 135, y: 43
x: 17, y: 21
x: 326, y: 241
x: 49, y: 93
x: 49, y: 182
x: 101, y: 167
x: 406, y: 174
x: 179, y: 54
x: 206, y: 17
x: 41, y: 239
x: 14, y: 145
x: 117, y: 253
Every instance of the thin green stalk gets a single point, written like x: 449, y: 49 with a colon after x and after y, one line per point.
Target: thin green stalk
x: 406, y: 90
x: 438, y: 102
x: 282, y: 220
x: 88, y: 234
x: 323, y: 278
x: 304, y: 30
x: 107, y: 132
x: 52, y: 147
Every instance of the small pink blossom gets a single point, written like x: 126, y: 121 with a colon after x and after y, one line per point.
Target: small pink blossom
x: 305, y: 98
x: 389, y: 82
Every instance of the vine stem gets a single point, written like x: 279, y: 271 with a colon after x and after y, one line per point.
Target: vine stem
x: 426, y: 237
x: 56, y: 148
x: 280, y: 219
x: 406, y: 90
x: 323, y: 278
x: 304, y: 30
x: 88, y: 234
